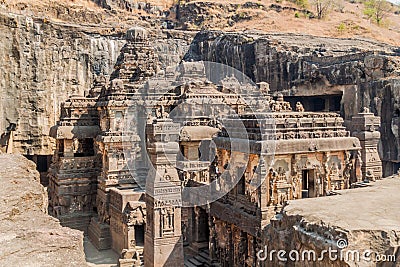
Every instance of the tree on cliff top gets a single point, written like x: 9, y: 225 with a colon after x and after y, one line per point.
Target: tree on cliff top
x: 377, y: 10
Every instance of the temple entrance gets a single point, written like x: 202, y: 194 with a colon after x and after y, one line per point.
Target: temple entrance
x: 139, y: 235
x: 308, y: 184
x: 202, y: 230
x: 199, y: 238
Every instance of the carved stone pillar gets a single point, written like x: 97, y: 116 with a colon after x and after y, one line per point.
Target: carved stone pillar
x: 365, y: 127
x: 212, y: 241
x: 163, y: 239
x: 264, y: 190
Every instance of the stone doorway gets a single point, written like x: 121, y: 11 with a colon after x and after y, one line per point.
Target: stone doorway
x: 139, y: 235
x: 200, y: 236
x: 308, y: 184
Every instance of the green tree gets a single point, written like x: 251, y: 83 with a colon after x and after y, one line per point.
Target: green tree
x: 377, y: 10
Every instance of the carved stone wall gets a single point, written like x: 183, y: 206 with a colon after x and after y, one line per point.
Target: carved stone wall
x: 43, y: 65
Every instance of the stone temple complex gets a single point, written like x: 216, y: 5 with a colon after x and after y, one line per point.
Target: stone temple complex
x: 169, y: 168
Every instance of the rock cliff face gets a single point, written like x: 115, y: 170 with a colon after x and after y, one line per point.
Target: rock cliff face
x: 29, y: 236
x: 44, y: 63
x: 159, y: 8
x: 318, y: 224
x: 214, y: 15
x: 348, y: 74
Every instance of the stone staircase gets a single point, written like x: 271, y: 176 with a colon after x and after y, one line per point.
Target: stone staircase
x: 202, y: 259
x: 141, y: 253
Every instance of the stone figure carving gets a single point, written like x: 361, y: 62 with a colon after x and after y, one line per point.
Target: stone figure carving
x: 295, y: 187
x: 77, y: 146
x: 75, y: 205
x: 134, y: 216
x: 334, y: 175
x: 167, y: 220
x: 369, y: 176
x: 184, y: 234
x: 286, y: 106
x: 118, y: 124
x: 161, y: 113
x: 299, y: 107
x: 283, y: 198
x: 276, y: 107
x: 347, y: 172
x: 104, y: 217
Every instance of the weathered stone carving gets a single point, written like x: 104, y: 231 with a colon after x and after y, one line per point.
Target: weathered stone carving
x: 365, y: 127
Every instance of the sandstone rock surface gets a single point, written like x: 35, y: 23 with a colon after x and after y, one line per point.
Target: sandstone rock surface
x: 30, y: 237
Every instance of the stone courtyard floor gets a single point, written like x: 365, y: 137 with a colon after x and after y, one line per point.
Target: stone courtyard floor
x: 95, y: 258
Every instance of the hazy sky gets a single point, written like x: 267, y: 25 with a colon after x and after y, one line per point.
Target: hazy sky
x: 395, y: 1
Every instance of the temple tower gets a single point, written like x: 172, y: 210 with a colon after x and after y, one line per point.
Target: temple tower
x: 120, y: 184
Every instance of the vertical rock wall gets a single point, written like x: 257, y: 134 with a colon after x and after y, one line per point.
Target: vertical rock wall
x: 42, y: 64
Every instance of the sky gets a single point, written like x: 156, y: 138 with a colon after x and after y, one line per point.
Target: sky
x: 395, y: 1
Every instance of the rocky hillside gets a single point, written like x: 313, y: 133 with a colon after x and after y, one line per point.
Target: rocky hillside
x: 344, y: 19
x: 30, y: 237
